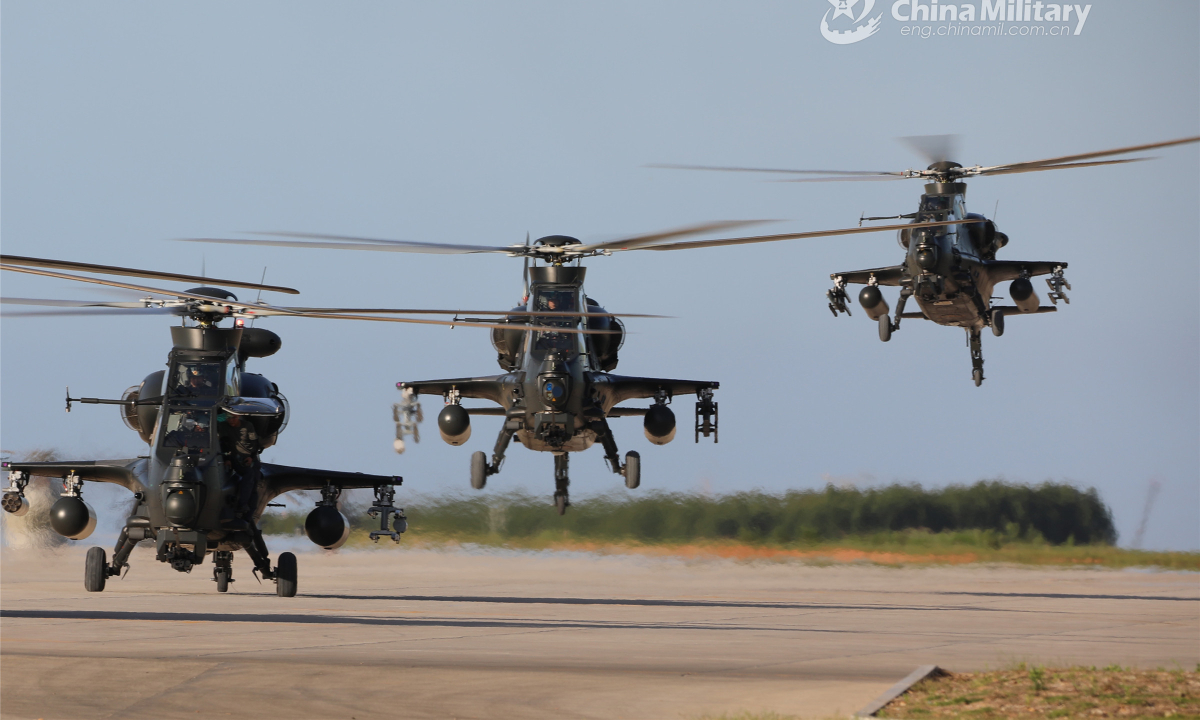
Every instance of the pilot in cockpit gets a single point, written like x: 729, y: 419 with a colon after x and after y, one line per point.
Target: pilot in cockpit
x: 556, y: 301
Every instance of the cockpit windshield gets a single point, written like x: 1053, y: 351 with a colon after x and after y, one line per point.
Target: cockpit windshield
x: 933, y: 207
x: 188, y: 428
x: 556, y: 299
x: 935, y: 203
x: 196, y: 380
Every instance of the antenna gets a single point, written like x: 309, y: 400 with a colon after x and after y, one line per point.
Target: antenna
x: 996, y: 210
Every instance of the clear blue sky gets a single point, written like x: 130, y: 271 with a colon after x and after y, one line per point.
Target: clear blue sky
x: 124, y: 125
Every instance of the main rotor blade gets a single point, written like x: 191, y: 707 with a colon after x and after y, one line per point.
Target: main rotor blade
x: 266, y: 312
x: 1063, y: 166
x: 83, y: 312
x: 347, y: 242
x: 635, y: 241
x: 848, y: 178
x: 1086, y: 156
x: 132, y: 272
x: 71, y: 303
x: 721, y: 168
x: 515, y: 313
x: 934, y: 148
x: 207, y: 299
x: 802, y: 235
x: 269, y: 310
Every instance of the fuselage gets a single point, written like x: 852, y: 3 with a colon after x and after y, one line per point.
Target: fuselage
x: 948, y: 266
x: 555, y: 391
x: 186, y: 478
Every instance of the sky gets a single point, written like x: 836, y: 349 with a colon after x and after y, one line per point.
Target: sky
x: 125, y: 126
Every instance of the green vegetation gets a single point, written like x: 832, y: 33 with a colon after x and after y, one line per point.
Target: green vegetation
x: 987, y: 521
x: 1039, y: 692
x: 1054, y: 513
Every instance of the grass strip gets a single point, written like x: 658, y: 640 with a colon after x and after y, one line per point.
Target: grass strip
x: 989, y: 521
x: 902, y: 551
x: 1043, y: 692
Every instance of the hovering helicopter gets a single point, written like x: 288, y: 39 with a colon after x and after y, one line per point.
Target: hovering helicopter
x: 951, y: 268
x: 202, y: 488
x: 557, y: 392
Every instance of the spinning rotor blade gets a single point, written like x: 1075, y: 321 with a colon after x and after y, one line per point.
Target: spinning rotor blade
x: 347, y: 242
x: 82, y: 312
x: 802, y: 235
x: 634, y: 241
x: 413, y: 311
x: 452, y: 323
x: 1064, y: 166
x: 206, y: 299
x: 72, y: 303
x: 1061, y: 161
x: 939, y: 148
x: 131, y: 272
x: 934, y: 148
x: 82, y: 308
x: 269, y: 310
x: 849, y: 178
x: 720, y: 168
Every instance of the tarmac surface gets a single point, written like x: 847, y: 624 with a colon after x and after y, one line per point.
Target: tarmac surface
x: 474, y: 633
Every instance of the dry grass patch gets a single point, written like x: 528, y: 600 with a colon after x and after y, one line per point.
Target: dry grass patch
x: 1041, y: 692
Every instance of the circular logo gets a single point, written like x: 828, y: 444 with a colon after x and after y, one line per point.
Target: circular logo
x: 859, y: 30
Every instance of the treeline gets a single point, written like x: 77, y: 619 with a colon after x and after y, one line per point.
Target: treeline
x: 1054, y: 513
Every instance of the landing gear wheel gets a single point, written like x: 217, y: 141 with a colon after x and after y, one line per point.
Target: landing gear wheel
x: 997, y: 322
x: 95, y: 570
x: 478, y: 470
x: 633, y: 470
x: 560, y: 503
x: 285, y: 575
x: 977, y: 376
x: 222, y: 578
x: 885, y: 328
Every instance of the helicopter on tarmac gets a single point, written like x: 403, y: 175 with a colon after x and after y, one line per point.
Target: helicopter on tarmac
x: 558, y: 392
x: 952, y: 271
x: 202, y: 488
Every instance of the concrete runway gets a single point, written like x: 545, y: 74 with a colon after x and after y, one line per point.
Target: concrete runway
x: 392, y: 632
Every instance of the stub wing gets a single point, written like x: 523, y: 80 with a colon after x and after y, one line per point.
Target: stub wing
x: 484, y: 388
x: 891, y: 275
x: 279, y: 479
x: 618, y: 388
x: 128, y: 474
x: 1001, y: 270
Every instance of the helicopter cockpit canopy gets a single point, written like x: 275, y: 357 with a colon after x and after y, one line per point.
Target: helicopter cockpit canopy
x: 188, y: 428
x: 203, y: 379
x: 556, y: 298
x: 933, y: 207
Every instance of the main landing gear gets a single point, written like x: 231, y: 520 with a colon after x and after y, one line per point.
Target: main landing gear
x: 562, y: 500
x: 481, y: 469
x: 632, y: 469
x: 284, y: 572
x: 223, y: 569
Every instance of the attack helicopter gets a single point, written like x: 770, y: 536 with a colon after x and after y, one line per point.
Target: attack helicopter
x: 558, y: 391
x: 202, y: 488
x: 951, y: 269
